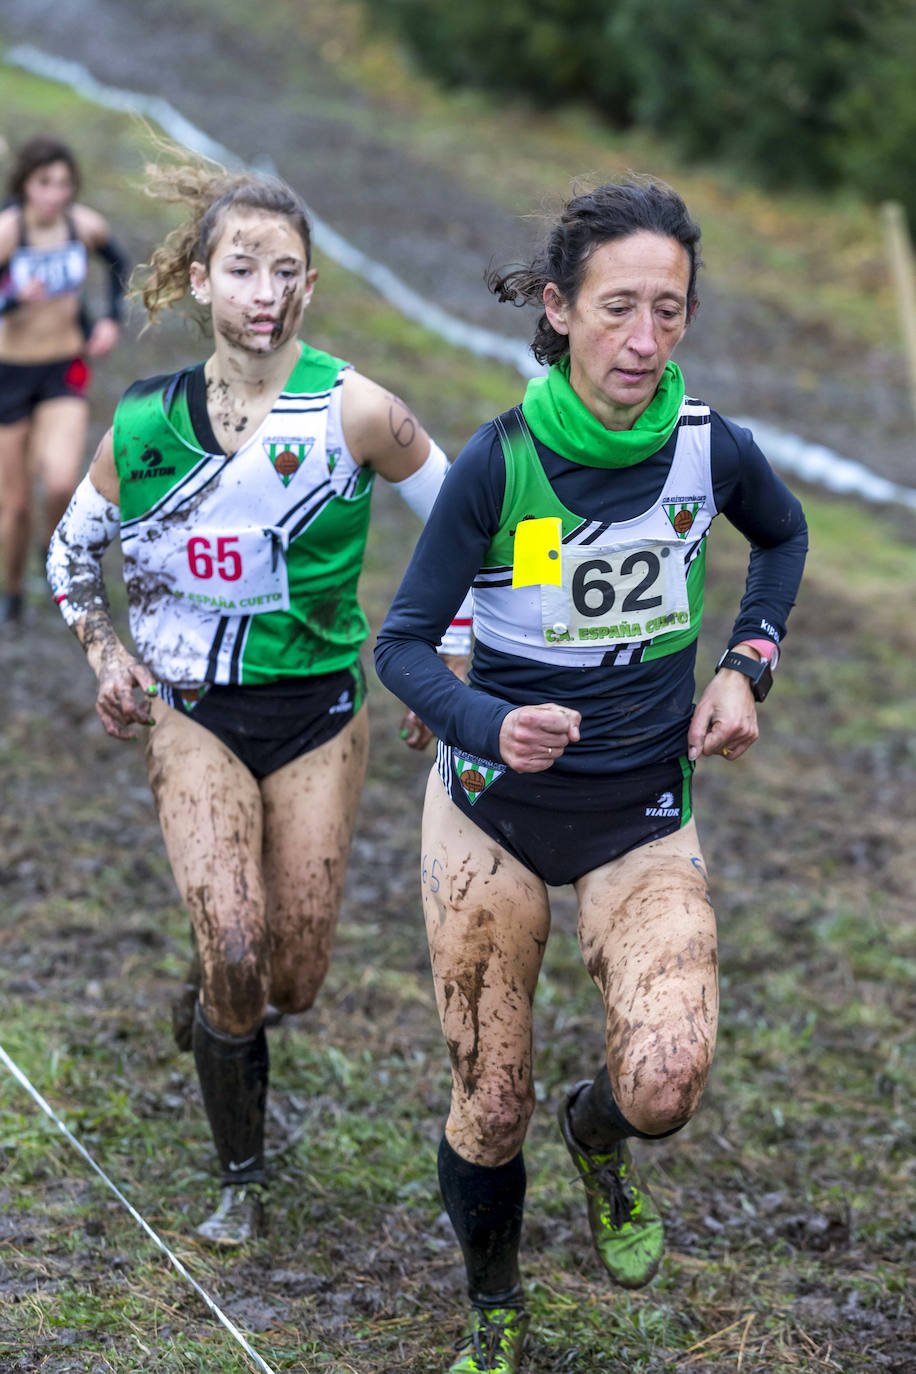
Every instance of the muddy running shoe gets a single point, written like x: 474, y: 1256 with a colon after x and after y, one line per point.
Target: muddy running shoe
x: 493, y: 1343
x: 239, y: 1218
x: 625, y: 1224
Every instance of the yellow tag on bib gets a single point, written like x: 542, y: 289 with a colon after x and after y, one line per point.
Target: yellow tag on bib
x: 536, y: 552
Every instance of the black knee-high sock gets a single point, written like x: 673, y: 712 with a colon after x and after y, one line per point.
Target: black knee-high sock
x: 485, y: 1207
x: 598, y: 1122
x: 233, y: 1072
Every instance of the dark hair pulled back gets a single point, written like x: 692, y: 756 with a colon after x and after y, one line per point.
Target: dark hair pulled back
x: 613, y: 211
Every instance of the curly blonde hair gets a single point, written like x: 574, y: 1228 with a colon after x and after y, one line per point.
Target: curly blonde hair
x: 209, y: 192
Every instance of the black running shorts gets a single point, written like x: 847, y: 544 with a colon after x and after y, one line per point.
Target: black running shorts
x: 562, y: 826
x: 23, y: 386
x: 270, y: 725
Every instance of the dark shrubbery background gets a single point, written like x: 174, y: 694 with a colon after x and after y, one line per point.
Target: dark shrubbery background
x: 818, y: 94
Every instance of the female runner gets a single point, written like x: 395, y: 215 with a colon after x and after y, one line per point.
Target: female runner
x: 44, y: 379
x: 581, y: 517
x: 240, y: 489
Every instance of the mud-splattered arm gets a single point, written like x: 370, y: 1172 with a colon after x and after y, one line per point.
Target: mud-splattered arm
x: 74, y: 567
x: 90, y: 523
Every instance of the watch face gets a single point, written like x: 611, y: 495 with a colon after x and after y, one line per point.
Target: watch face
x: 762, y: 683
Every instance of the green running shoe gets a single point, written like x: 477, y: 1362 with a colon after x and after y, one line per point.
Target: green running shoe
x: 493, y: 1343
x: 625, y: 1223
x: 239, y: 1218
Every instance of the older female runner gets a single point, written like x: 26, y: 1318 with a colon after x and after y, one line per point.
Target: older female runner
x: 45, y: 237
x: 582, y: 518
x: 240, y: 489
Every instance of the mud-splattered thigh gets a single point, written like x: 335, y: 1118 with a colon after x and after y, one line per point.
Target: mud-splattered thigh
x: 310, y: 809
x: 487, y: 922
x: 209, y: 807
x: 647, y: 932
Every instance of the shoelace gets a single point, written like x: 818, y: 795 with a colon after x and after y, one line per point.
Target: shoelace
x: 618, y: 1191
x: 494, y: 1333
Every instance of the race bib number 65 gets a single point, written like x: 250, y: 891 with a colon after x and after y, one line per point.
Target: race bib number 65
x: 231, y: 572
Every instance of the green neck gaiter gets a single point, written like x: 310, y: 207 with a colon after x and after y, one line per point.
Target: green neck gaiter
x: 563, y: 422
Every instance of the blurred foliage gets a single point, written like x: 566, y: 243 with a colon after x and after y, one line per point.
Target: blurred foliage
x: 551, y: 50
x: 818, y: 95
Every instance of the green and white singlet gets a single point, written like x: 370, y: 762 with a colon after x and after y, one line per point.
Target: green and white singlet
x: 243, y: 569
x: 565, y: 589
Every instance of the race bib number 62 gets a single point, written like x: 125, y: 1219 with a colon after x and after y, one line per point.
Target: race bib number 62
x: 620, y: 594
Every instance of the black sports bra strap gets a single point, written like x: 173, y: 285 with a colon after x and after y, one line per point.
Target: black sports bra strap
x: 68, y: 220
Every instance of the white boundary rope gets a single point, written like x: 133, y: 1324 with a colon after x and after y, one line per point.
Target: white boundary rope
x: 814, y: 463
x: 173, y: 1258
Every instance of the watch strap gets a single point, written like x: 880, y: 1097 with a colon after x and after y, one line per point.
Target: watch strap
x: 758, y: 671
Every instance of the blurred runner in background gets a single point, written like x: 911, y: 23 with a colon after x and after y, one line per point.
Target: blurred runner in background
x: 45, y: 338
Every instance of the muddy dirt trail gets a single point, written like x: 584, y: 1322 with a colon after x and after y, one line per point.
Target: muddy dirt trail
x: 269, y: 93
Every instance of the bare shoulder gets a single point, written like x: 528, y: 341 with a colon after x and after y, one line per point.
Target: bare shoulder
x: 90, y: 225
x: 381, y: 430
x: 103, y: 472
x: 363, y: 400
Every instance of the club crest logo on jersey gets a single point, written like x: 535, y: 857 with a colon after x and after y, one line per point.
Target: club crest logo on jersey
x: 287, y: 455
x: 476, y: 775
x: 682, y: 512
x: 333, y: 458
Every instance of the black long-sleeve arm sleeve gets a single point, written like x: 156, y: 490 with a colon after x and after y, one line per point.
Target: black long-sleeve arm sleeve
x: 118, y: 264
x: 761, y: 507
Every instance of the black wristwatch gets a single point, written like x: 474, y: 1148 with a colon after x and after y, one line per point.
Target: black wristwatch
x: 760, y: 673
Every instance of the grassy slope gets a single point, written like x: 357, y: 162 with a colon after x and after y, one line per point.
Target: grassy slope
x: 820, y: 260
x: 785, y: 1199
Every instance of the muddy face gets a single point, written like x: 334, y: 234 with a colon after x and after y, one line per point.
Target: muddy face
x: 257, y: 282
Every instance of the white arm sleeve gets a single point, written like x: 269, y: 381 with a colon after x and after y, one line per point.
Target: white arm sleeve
x: 420, y: 490
x: 88, y: 526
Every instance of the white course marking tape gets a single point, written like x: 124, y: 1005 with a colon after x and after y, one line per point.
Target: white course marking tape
x: 220, y: 1315
x: 814, y: 463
